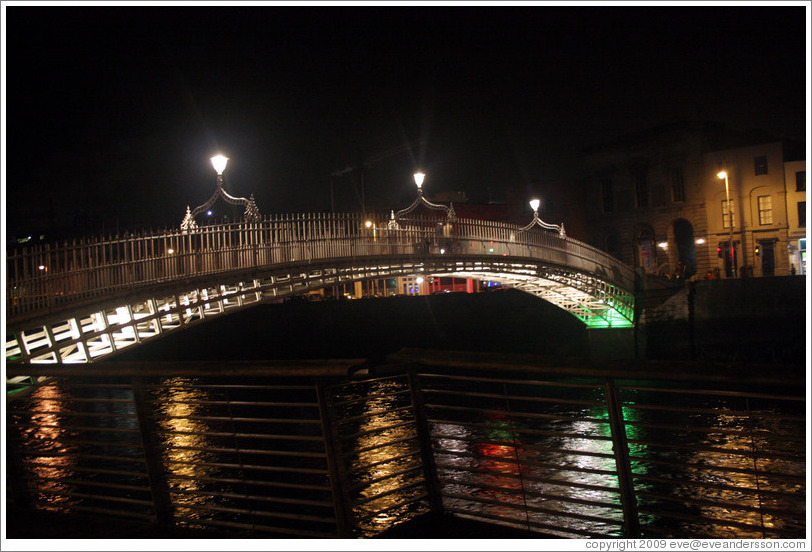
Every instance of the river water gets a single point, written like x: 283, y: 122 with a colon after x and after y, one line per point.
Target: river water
x: 251, y: 456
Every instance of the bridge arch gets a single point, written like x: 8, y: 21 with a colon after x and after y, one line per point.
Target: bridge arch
x: 150, y: 285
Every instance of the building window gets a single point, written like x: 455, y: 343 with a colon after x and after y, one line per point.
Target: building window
x: 725, y: 219
x: 802, y: 214
x: 765, y: 210
x: 760, y: 164
x: 641, y: 189
x: 606, y: 194
x: 800, y: 181
x: 677, y: 186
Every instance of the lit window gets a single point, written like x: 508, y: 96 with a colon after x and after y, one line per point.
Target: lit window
x: 677, y: 186
x: 765, y: 210
x: 760, y: 164
x: 725, y: 219
x: 800, y: 181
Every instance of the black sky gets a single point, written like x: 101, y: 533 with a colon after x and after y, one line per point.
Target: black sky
x: 113, y: 112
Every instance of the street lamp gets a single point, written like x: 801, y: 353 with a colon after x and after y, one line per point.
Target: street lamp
x: 534, y: 204
x: 420, y: 200
x: 251, y: 214
x: 219, y: 163
x: 418, y: 179
x: 722, y: 175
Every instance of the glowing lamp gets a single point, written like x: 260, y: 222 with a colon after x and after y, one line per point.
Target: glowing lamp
x: 534, y: 204
x: 368, y: 224
x: 418, y: 179
x: 664, y: 245
x: 419, y: 280
x: 700, y: 241
x: 219, y: 163
x: 721, y: 175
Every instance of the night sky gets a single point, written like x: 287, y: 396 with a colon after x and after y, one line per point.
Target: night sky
x: 112, y: 113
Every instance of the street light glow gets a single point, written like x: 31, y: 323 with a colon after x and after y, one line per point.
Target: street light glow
x: 418, y: 179
x: 733, y: 269
x: 534, y: 204
x: 368, y: 224
x: 219, y: 163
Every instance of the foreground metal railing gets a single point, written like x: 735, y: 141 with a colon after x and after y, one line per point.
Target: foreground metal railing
x: 602, y: 459
x: 567, y: 456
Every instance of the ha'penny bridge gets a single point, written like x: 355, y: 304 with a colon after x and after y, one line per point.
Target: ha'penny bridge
x: 86, y: 300
x: 76, y: 302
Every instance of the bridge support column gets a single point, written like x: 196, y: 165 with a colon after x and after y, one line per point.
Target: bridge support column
x: 611, y: 343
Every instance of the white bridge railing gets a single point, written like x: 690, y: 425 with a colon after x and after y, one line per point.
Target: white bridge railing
x: 42, y: 278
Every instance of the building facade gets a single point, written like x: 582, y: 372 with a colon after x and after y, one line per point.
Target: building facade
x: 795, y: 184
x: 645, y: 202
x: 656, y: 201
x: 759, y: 198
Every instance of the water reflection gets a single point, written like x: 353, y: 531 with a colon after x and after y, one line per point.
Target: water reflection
x: 717, y: 469
x: 79, y: 448
x: 510, y: 470
x: 245, y: 456
x: 184, y: 441
x: 49, y: 461
x: 697, y: 469
x: 251, y: 457
x: 384, y: 465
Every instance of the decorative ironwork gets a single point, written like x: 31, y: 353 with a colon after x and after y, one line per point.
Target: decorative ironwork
x: 251, y: 210
x: 421, y: 200
x: 546, y: 225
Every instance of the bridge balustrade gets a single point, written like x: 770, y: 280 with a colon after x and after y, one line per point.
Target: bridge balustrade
x: 40, y: 278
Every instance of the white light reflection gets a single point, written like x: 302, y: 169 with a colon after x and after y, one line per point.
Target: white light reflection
x: 56, y: 462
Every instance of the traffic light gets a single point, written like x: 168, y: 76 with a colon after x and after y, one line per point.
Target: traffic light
x: 758, y: 249
x: 719, y: 251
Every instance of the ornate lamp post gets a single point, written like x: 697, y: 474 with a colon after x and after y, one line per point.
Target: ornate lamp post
x: 722, y: 175
x: 219, y: 163
x: 534, y: 204
x: 420, y: 200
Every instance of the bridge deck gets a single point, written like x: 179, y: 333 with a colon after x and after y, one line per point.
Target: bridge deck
x: 84, y: 300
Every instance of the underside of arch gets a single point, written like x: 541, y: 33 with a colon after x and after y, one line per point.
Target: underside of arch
x: 594, y: 311
x: 113, y: 326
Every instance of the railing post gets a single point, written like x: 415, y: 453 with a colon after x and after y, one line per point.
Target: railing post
x: 426, y: 449
x: 338, y: 478
x: 158, y: 485
x: 620, y: 447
